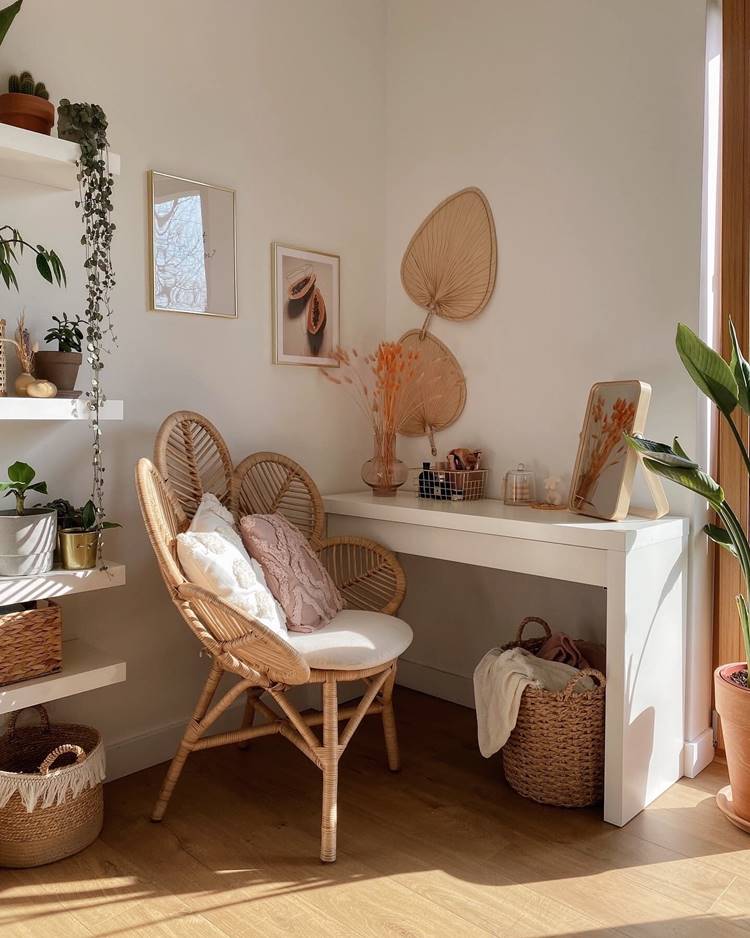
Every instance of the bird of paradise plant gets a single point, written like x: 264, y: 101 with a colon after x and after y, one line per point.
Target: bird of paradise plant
x: 727, y: 385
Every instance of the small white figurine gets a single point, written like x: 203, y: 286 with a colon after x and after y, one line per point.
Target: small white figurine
x: 552, y: 493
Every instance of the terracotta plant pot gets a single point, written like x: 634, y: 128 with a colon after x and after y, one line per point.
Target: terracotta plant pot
x: 733, y: 706
x: 61, y: 368
x: 27, y: 111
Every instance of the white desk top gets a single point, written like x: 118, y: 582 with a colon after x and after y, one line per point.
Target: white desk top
x: 491, y: 516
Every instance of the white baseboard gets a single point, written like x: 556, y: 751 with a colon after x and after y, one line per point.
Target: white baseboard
x: 429, y: 680
x: 698, y: 753
x: 133, y: 753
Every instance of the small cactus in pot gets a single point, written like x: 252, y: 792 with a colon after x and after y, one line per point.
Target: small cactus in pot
x: 27, y: 104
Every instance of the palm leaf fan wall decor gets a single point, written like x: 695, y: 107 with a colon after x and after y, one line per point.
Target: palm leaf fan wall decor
x: 441, y: 387
x: 450, y: 264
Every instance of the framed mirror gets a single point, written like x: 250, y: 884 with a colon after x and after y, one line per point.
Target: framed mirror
x: 192, y: 240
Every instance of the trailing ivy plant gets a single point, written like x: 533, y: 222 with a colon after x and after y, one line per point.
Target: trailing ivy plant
x: 86, y: 125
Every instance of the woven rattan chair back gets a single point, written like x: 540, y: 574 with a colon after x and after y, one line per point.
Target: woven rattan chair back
x: 162, y: 519
x: 193, y: 459
x: 265, y: 483
x: 239, y: 643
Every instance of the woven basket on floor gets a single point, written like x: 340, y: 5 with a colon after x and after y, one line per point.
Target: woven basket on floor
x: 49, y: 813
x: 555, y: 754
x: 30, y: 643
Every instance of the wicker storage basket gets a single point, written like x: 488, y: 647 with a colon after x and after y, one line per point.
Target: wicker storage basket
x: 555, y: 754
x: 30, y: 643
x: 49, y: 813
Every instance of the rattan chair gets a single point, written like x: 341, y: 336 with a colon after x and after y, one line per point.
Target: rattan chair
x: 369, y: 577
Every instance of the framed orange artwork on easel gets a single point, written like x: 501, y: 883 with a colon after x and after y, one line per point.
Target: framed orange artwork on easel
x: 605, y: 466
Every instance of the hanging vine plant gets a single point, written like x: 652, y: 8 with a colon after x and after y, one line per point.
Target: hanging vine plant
x: 86, y: 125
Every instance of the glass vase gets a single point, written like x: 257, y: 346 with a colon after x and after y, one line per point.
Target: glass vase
x: 384, y: 473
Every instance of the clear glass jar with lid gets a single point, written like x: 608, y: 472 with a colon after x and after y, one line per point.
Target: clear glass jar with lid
x: 519, y: 486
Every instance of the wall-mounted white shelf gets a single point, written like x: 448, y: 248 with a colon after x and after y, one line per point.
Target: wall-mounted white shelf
x: 84, y: 668
x: 55, y: 408
x: 38, y: 158
x: 57, y: 583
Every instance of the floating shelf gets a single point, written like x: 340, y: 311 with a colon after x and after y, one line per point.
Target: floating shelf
x: 84, y: 668
x: 57, y: 583
x: 38, y: 158
x: 54, y: 408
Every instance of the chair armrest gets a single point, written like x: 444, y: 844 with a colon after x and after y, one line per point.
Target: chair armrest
x: 367, y: 574
x: 238, y: 641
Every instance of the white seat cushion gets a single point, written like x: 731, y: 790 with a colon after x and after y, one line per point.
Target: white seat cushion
x: 353, y: 640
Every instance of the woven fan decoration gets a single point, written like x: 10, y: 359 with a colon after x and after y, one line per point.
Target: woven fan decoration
x: 450, y: 264
x: 441, y: 385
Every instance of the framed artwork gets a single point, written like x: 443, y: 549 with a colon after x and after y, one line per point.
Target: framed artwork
x: 605, y: 465
x: 305, y: 306
x: 192, y: 240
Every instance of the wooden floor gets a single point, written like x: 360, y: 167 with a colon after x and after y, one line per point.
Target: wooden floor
x: 442, y: 849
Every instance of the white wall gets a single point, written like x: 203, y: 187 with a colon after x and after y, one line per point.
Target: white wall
x: 582, y: 123
x: 580, y: 120
x: 285, y: 102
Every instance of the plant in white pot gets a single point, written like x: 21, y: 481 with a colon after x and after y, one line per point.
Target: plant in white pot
x: 27, y: 535
x: 727, y: 385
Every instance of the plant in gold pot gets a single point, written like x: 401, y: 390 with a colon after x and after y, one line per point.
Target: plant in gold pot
x: 61, y: 367
x: 80, y: 534
x: 727, y: 385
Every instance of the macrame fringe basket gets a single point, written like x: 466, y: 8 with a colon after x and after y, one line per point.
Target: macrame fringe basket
x: 555, y: 754
x: 48, y: 813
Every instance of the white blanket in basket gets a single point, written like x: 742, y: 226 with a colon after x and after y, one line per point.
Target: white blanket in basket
x: 500, y: 679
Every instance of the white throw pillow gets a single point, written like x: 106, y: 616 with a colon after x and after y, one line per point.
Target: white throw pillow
x: 213, y: 556
x: 210, y: 516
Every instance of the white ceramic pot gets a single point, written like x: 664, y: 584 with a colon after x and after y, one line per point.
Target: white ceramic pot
x: 27, y: 541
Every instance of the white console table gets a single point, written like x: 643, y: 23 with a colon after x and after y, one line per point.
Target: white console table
x: 642, y: 565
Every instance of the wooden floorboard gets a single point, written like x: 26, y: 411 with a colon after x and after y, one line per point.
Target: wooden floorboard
x: 443, y: 848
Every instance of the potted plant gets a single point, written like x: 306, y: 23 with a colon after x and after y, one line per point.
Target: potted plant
x: 61, y: 367
x: 27, y: 104
x: 79, y: 534
x: 7, y: 15
x: 86, y: 124
x: 727, y: 385
x: 27, y: 535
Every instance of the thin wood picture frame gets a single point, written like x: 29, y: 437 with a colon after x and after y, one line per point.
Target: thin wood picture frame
x: 219, y: 228
x: 305, y: 305
x: 602, y: 481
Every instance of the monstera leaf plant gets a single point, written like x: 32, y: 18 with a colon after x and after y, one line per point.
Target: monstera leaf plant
x: 727, y: 385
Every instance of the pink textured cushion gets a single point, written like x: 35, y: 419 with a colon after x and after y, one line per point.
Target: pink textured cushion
x: 295, y: 576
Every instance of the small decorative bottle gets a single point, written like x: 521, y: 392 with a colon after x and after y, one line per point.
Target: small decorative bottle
x: 426, y: 481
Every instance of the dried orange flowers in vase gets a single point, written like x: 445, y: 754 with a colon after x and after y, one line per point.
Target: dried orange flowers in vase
x: 388, y: 387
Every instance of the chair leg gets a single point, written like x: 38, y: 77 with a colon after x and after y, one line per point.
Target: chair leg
x: 248, y: 718
x: 389, y: 722
x: 191, y: 734
x: 330, y: 771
